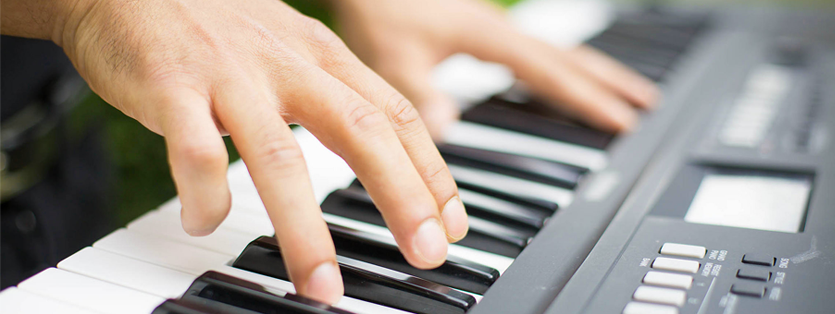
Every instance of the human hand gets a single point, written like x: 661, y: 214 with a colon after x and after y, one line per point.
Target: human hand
x: 194, y: 70
x: 404, y: 39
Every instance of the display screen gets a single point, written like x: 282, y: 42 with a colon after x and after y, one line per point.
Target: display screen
x: 751, y: 201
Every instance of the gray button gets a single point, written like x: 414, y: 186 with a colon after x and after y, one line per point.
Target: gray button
x: 748, y: 289
x: 648, y: 308
x: 674, y: 264
x: 684, y: 250
x: 758, y: 259
x: 761, y: 274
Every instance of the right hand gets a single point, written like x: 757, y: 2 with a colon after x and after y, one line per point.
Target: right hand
x: 194, y: 70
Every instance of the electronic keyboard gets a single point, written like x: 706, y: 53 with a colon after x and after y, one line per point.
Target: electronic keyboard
x: 720, y: 202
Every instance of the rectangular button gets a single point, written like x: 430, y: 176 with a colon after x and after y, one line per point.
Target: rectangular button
x: 683, y: 250
x: 748, y: 289
x: 657, y: 278
x: 754, y: 274
x: 660, y: 295
x: 648, y: 308
x: 674, y: 264
x: 758, y: 259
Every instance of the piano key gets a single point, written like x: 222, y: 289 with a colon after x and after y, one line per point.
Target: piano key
x: 356, y: 204
x: 175, y: 306
x: 485, y: 205
x: 534, y: 118
x: 490, y: 138
x: 523, y: 167
x: 221, y: 240
x: 498, y: 262
x: 196, y: 261
x: 516, y: 236
x: 162, y: 251
x: 242, y: 221
x: 128, y: 272
x: 365, y: 281
x: 382, y: 251
x: 227, y: 293
x: 17, y: 301
x: 511, y: 185
x: 90, y: 293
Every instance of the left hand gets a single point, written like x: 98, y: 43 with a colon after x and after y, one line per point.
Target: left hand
x: 404, y: 39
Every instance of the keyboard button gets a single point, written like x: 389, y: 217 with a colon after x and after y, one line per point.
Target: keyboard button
x: 17, y: 301
x: 497, y: 209
x: 495, y: 139
x: 674, y: 264
x: 758, y: 259
x: 748, y: 289
x: 455, y: 272
x: 365, y: 281
x: 660, y: 295
x: 648, y: 308
x: 657, y: 278
x: 754, y: 274
x: 90, y: 293
x: 522, y: 167
x: 683, y: 250
x: 222, y: 292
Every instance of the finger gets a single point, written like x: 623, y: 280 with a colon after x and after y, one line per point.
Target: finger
x: 623, y: 80
x: 576, y: 94
x: 198, y: 160
x: 278, y: 170
x: 362, y: 135
x: 335, y: 58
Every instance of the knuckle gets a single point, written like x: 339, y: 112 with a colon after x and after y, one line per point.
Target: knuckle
x: 204, y: 156
x: 365, y: 119
x: 404, y: 115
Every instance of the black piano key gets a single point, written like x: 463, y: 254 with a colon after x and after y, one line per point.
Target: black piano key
x: 633, y: 55
x: 496, y: 209
x: 174, y: 306
x: 455, y: 272
x: 365, y: 281
x: 519, y: 237
x: 229, y: 294
x: 540, y: 204
x: 511, y: 116
x: 522, y: 167
x: 348, y: 206
x: 652, y: 35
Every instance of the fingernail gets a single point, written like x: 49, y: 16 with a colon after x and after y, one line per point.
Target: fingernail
x: 455, y: 219
x: 625, y: 117
x: 430, y: 242
x: 325, y: 283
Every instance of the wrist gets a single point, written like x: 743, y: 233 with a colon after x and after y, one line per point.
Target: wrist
x: 67, y: 21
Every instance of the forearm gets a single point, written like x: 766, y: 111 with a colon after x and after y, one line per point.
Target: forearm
x: 43, y: 19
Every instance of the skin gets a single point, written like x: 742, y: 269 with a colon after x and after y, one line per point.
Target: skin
x: 196, y: 70
x: 403, y: 41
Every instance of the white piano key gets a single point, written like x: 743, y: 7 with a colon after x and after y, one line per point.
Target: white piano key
x: 17, y: 301
x: 244, y: 222
x: 500, y: 140
x: 90, y: 293
x: 196, y: 261
x: 128, y: 272
x: 169, y: 226
x: 162, y: 251
x: 511, y: 185
x: 498, y: 262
